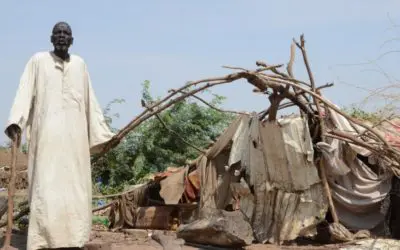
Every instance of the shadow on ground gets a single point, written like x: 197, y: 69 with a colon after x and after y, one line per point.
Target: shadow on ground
x: 17, y: 240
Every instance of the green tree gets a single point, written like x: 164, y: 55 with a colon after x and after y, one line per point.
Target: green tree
x: 152, y: 147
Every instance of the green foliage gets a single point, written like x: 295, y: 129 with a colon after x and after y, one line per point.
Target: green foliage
x: 363, y: 115
x: 152, y: 148
x: 100, y: 220
x: 24, y: 148
x: 109, y: 117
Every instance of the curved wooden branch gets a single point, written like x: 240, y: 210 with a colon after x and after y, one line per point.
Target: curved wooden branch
x: 103, y: 207
x: 161, y: 106
x: 210, y: 105
x: 173, y: 131
x: 276, y: 84
x: 322, y: 130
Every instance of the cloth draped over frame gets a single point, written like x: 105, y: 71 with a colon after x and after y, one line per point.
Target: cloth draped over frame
x: 358, y: 186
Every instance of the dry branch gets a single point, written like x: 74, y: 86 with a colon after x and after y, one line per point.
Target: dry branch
x: 11, y: 191
x: 350, y: 139
x: 103, y: 207
x: 264, y: 113
x: 288, y: 79
x: 164, y: 104
x: 289, y: 67
x: 274, y: 69
x: 321, y: 127
x: 275, y: 84
x: 209, y: 104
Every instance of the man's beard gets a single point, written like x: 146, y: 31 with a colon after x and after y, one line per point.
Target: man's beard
x: 61, y: 47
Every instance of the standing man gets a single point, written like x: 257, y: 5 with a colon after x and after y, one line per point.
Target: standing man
x: 56, y: 104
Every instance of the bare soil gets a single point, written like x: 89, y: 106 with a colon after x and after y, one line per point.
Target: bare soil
x: 140, y: 240
x: 135, y: 238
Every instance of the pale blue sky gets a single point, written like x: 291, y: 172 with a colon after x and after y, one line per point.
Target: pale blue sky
x: 171, y: 42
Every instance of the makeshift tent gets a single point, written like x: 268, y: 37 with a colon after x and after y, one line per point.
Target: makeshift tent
x: 281, y: 192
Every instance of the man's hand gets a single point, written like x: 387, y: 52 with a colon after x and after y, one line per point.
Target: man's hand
x: 14, y: 132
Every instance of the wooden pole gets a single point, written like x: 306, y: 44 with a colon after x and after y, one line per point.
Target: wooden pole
x: 11, y: 191
x: 324, y: 179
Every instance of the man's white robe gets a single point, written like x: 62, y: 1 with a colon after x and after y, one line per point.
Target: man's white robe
x: 55, y: 102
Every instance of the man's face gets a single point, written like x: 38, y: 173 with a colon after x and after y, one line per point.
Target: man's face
x: 61, y: 37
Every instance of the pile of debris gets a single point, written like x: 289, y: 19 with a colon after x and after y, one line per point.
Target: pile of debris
x: 163, y: 203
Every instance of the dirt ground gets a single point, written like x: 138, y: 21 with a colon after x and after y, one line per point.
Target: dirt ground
x: 140, y: 240
x: 131, y: 239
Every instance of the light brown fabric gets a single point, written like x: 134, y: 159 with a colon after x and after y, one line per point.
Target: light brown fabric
x: 173, y: 186
x: 357, y: 190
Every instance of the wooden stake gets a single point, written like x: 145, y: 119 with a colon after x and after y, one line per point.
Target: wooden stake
x: 11, y: 191
x: 325, y: 183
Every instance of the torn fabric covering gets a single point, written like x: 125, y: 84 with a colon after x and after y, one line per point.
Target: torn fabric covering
x: 123, y: 213
x: 240, y: 143
x: 178, y: 183
x: 288, y: 193
x: 331, y: 154
x: 173, y: 186
x: 296, y: 160
x: 206, y: 165
x: 357, y: 190
x: 168, y: 172
x: 278, y: 160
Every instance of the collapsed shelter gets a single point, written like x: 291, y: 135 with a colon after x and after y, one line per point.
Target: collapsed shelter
x: 286, y: 176
x: 267, y: 170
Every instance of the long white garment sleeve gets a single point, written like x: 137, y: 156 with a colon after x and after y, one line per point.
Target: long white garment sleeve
x: 21, y: 108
